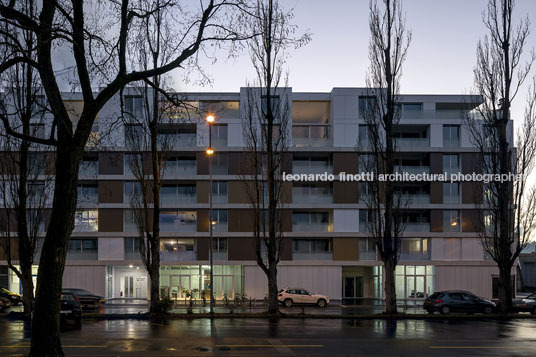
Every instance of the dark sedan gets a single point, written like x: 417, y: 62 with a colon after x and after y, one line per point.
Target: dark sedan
x: 11, y: 296
x: 86, y: 298
x: 527, y: 304
x: 71, y: 312
x: 4, y: 303
x: 457, y: 301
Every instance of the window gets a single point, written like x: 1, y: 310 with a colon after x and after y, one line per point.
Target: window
x: 311, y: 193
x: 219, y: 163
x: 219, y: 245
x: 363, y: 135
x: 274, y: 105
x: 451, y: 163
x: 133, y: 191
x: 132, y: 245
x: 451, y: 192
x: 177, y: 135
x: 181, y: 165
x: 366, y: 104
x: 219, y: 220
x: 311, y: 221
x: 311, y: 249
x: 366, y: 220
x: 36, y: 163
x: 451, y: 135
x: 367, y: 163
x: 88, y: 193
x: 85, y: 245
x: 178, y: 221
x: 414, y: 281
x: 414, y: 249
x: 224, y: 109
x: 36, y: 193
x: 367, y: 249
x: 311, y: 164
x: 86, y: 221
x: 219, y: 135
x: 170, y: 194
x: 451, y: 221
x: 39, y: 105
x: 134, y: 136
x: 177, y: 245
x: 134, y: 107
x: 412, y: 106
x: 366, y: 191
x: 89, y: 167
x: 219, y: 192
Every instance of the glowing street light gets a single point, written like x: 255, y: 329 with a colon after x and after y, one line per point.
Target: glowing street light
x: 210, y: 152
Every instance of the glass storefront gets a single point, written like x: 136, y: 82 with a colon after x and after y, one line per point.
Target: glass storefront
x: 179, y: 281
x: 414, y: 281
x: 10, y: 280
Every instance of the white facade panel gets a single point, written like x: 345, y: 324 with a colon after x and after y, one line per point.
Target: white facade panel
x: 325, y: 280
x: 89, y: 277
x: 477, y: 279
x: 234, y: 135
x: 472, y: 249
x: 111, y: 249
x: 346, y: 220
x: 437, y: 249
x: 436, y: 135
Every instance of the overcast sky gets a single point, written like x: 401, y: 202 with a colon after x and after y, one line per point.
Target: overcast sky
x: 441, y: 57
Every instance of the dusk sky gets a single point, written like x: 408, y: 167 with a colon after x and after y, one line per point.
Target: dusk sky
x: 440, y: 60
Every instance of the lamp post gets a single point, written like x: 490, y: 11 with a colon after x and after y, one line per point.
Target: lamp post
x: 210, y: 152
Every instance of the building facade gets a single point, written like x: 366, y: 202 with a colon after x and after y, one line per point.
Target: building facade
x: 326, y: 247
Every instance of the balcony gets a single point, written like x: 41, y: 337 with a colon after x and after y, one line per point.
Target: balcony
x: 178, y: 221
x: 367, y: 255
x: 312, y: 256
x: 415, y: 256
x: 181, y: 167
x: 178, y: 256
x: 412, y: 169
x: 412, y: 142
x: 311, y: 227
x: 417, y: 227
x: 415, y: 198
x: 317, y: 135
x: 314, y: 193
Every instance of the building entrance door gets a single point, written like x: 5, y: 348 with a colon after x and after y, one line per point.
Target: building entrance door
x: 353, y: 287
x: 134, y: 287
x: 180, y: 286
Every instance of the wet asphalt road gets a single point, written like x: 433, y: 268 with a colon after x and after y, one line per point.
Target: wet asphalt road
x: 289, y: 337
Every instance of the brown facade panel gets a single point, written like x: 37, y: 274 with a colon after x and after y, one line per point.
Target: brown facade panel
x: 202, y: 191
x: 110, y: 191
x: 50, y: 163
x: 202, y: 248
x: 110, y: 220
x: 436, y: 192
x: 470, y: 220
x: 202, y: 163
x: 286, y: 249
x: 237, y: 191
x: 471, y: 192
x: 202, y: 220
x: 241, y: 249
x: 13, y: 249
x: 345, y: 162
x: 346, y: 249
x: 240, y: 220
x: 286, y: 192
x: 110, y: 163
x: 436, y: 220
x: 345, y: 192
x: 286, y: 220
x: 436, y: 163
x: 470, y: 163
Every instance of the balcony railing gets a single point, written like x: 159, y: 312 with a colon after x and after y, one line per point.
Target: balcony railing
x: 417, y: 227
x: 178, y: 199
x: 182, y: 169
x: 311, y: 227
x: 415, y: 256
x: 417, y: 198
x: 412, y: 169
x: 412, y: 142
x: 178, y: 256
x: 312, y: 256
x: 299, y: 168
x: 367, y: 255
x: 310, y: 135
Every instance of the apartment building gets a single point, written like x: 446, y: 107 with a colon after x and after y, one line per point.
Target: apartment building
x: 326, y: 246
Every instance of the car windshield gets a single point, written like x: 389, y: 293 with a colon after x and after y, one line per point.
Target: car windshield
x: 532, y: 296
x: 67, y: 297
x: 81, y: 292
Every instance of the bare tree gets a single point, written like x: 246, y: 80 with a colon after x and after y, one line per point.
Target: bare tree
x: 100, y: 56
x: 506, y: 211
x: 381, y: 111
x: 266, y: 132
x: 23, y: 184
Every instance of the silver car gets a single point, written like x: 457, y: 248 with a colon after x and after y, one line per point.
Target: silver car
x: 291, y: 296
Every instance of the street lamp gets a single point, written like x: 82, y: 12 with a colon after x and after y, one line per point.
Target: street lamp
x: 210, y: 153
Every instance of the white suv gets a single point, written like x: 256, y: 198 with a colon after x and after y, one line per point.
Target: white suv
x: 290, y: 296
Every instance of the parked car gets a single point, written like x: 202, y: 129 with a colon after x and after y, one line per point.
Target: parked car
x: 86, y: 298
x: 457, y: 301
x: 527, y: 304
x: 13, y: 297
x: 290, y: 296
x: 71, y: 311
x: 4, y: 303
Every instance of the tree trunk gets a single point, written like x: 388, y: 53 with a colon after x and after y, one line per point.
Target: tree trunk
x: 505, y: 289
x: 27, y: 289
x: 273, y: 303
x: 46, y: 319
x: 154, y: 273
x: 389, y: 288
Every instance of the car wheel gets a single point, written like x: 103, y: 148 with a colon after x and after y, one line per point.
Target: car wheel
x: 321, y: 303
x: 445, y: 310
x: 533, y: 311
x: 288, y: 302
x: 488, y: 310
